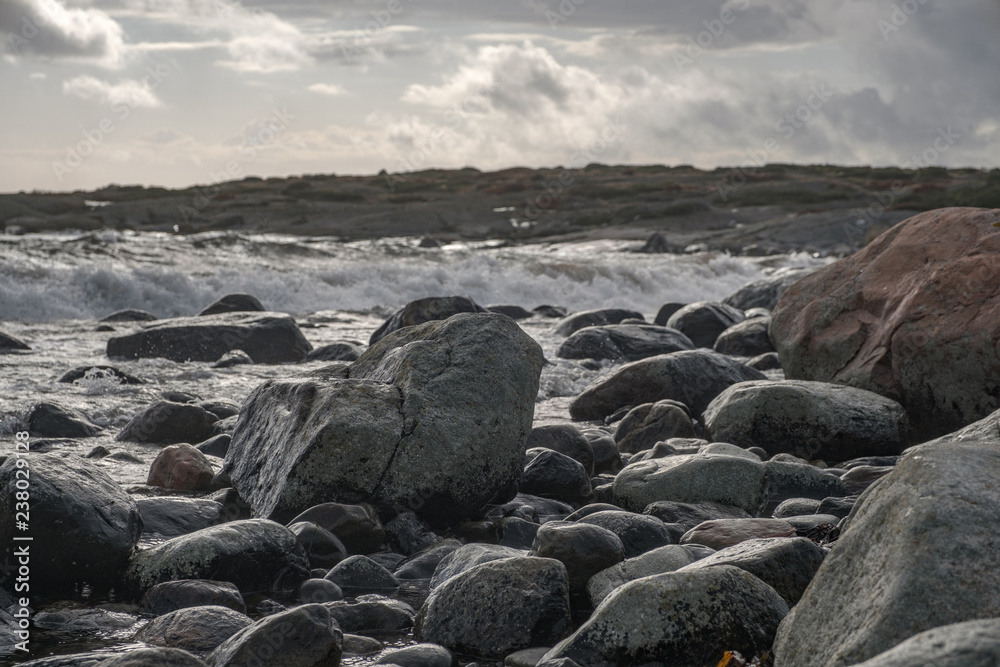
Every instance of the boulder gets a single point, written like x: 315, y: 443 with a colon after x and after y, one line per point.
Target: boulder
x: 565, y: 439
x: 372, y: 613
x: 691, y: 514
x: 234, y: 303
x: 73, y: 504
x: 181, y: 468
x: 170, y: 596
x: 584, y: 549
x: 703, y: 321
x: 499, y: 607
x: 914, y: 316
x: 361, y: 574
x: 254, y: 554
x: 10, y: 344
x: 425, y: 310
x: 173, y: 516
x: 678, y: 618
x: 969, y: 644
x: 194, y: 628
x: 419, y: 655
x: 808, y: 419
x: 99, y: 372
x: 723, y: 533
x: 694, y: 478
x: 746, y: 339
x: 857, y: 479
x: 918, y: 551
x: 357, y: 526
x: 785, y: 564
x: 217, y: 445
x: 667, y: 558
x: 549, y: 311
x: 647, y: 424
x: 468, y: 556
x: 623, y: 342
x: 693, y: 378
x: 407, y: 534
x: 321, y: 547
x: 638, y: 533
x: 319, y: 591
x: 764, y: 293
x: 799, y: 480
x: 511, y: 311
x: 415, y: 426
x: 305, y: 635
x: 167, y: 423
x: 423, y: 564
x: 590, y: 318
x: 345, y: 351
x: 555, y: 475
x: 665, y: 311
x: 52, y: 420
x: 768, y: 361
x: 269, y: 338
x: 233, y: 358
x: 129, y: 315
x: 607, y: 457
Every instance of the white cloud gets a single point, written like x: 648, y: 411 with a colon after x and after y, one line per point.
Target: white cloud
x: 130, y: 92
x: 46, y: 29
x: 327, y: 89
x: 38, y: 76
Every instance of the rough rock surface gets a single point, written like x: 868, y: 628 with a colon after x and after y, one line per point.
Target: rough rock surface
x: 498, y: 607
x: 52, y: 420
x: 623, y: 342
x: 425, y: 310
x: 181, y: 468
x: 194, y: 628
x: 914, y: 316
x: 73, y: 502
x: 692, y: 377
x: 305, y: 635
x: 746, y: 339
x: 269, y: 338
x: 658, y: 561
x: 433, y: 418
x: 678, y: 618
x: 918, y: 551
x: 168, y: 516
x: 808, y: 419
x: 969, y: 644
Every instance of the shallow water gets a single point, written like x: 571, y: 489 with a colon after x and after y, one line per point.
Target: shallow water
x: 53, y: 288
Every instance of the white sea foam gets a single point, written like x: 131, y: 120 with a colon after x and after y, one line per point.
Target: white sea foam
x: 48, y: 277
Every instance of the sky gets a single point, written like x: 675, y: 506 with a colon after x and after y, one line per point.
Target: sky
x: 180, y: 92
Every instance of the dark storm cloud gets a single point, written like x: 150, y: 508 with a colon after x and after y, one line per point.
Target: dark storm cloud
x: 46, y: 29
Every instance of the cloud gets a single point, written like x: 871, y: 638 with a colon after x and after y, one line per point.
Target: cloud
x: 46, y: 29
x: 130, y: 92
x: 327, y: 89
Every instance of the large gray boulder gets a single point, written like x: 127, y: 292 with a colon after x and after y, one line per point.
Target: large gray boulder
x: 658, y: 561
x: 693, y: 478
x: 268, y: 338
x: 969, y: 644
x: 254, y: 554
x: 808, y: 419
x: 468, y: 556
x: 432, y: 418
x: 918, y: 551
x: 499, y: 607
x: 425, y: 310
x: 194, y: 628
x: 83, y: 526
x: 786, y: 564
x: 650, y: 423
x: 678, y: 618
x: 623, y: 342
x: 306, y: 635
x: 692, y: 377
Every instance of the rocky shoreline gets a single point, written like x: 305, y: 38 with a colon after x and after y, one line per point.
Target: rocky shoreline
x: 803, y: 473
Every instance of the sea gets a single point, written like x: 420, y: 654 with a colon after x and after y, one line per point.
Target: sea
x: 54, y: 288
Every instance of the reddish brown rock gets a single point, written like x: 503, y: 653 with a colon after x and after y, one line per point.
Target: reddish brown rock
x: 181, y: 468
x: 723, y: 533
x: 914, y: 316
